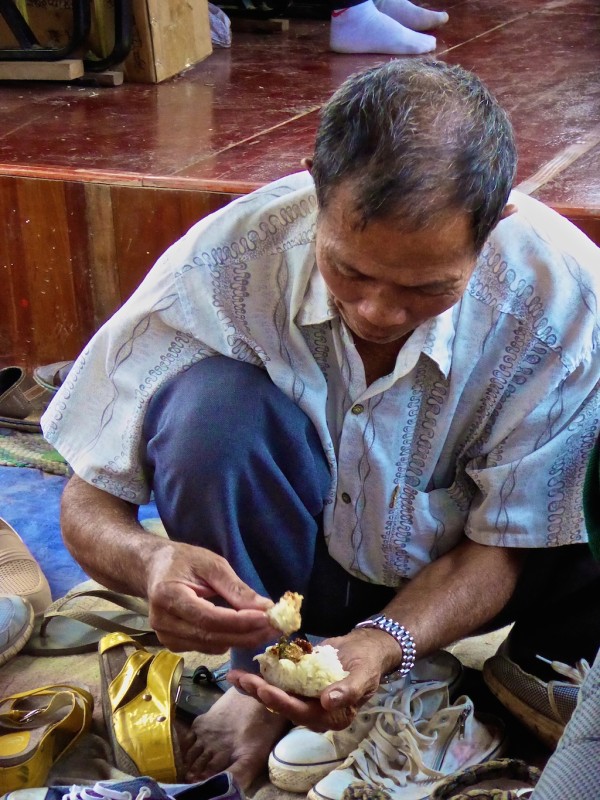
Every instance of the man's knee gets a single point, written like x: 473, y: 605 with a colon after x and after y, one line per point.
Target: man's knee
x: 208, y: 391
x: 223, y: 412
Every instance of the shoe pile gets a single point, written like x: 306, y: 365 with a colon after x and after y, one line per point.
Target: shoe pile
x: 404, y: 741
x: 303, y: 757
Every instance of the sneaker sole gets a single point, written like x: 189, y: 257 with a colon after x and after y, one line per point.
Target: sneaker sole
x: 547, y: 730
x: 298, y: 777
x: 22, y: 638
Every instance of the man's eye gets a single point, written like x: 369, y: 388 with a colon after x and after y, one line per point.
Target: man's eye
x: 435, y: 292
x: 347, y: 273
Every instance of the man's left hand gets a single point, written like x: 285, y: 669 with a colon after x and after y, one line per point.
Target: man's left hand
x: 362, y: 653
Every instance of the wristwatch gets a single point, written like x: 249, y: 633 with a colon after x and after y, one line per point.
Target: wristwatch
x: 401, y: 634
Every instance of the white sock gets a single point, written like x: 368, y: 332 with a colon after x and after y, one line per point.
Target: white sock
x: 414, y: 17
x: 364, y: 29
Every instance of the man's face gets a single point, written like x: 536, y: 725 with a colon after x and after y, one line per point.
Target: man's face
x: 386, y: 282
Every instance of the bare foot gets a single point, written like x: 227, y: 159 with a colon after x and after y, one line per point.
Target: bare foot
x: 236, y: 734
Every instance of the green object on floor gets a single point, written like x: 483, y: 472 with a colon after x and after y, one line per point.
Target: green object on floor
x: 18, y: 449
x: 591, y: 501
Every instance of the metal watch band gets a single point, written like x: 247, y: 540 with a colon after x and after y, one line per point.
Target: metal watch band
x: 403, y: 636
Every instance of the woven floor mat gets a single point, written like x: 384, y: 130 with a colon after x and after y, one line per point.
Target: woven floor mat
x: 18, y: 449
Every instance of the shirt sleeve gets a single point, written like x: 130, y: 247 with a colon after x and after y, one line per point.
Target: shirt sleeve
x: 530, y: 485
x: 95, y: 421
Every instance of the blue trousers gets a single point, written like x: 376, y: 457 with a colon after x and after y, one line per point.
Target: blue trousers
x: 238, y: 468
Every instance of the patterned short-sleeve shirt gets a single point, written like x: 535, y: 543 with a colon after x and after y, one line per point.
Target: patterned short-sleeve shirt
x: 483, y: 428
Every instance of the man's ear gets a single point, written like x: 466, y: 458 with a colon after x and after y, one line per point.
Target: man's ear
x: 508, y: 211
x: 307, y: 163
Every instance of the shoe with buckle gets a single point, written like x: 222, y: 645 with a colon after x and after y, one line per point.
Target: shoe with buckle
x: 139, y: 691
x: 37, y: 728
x: 409, y: 750
x: 303, y: 756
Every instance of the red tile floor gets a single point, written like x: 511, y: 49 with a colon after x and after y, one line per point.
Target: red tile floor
x: 247, y: 115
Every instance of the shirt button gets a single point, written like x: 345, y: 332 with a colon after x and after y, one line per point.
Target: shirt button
x: 346, y: 497
x: 358, y: 409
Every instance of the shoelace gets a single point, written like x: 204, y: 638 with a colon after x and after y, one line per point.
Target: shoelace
x: 575, y: 674
x: 101, y: 792
x: 411, y: 696
x: 394, y: 757
x: 395, y: 741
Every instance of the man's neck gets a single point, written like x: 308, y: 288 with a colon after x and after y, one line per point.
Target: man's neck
x: 378, y: 359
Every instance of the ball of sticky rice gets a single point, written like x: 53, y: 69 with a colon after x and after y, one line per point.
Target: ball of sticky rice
x: 307, y: 676
x: 285, y: 614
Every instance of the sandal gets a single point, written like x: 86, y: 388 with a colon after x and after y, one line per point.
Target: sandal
x: 199, y: 690
x: 139, y: 691
x: 74, y: 624
x: 22, y: 400
x: 36, y: 729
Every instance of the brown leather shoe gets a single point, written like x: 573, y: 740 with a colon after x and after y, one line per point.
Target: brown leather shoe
x: 52, y: 376
x: 22, y: 400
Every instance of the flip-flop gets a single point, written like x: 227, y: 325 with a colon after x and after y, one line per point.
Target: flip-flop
x: 199, y: 690
x: 37, y: 728
x: 139, y: 690
x: 74, y: 624
x: 22, y: 400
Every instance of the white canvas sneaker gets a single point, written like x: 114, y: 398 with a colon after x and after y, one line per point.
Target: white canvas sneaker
x: 408, y: 757
x: 303, y: 757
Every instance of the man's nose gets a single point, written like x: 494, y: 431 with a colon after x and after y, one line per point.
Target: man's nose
x: 380, y: 312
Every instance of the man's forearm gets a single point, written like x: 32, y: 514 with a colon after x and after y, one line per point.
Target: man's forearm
x: 456, y: 595
x: 103, y: 535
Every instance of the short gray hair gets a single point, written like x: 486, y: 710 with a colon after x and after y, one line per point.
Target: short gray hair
x: 416, y: 138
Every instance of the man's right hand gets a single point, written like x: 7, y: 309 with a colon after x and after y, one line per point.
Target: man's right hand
x: 181, y: 580
x: 103, y: 534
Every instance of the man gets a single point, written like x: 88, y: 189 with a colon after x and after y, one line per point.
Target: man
x: 381, y: 397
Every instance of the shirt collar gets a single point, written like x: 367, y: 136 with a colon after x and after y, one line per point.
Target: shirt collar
x: 317, y: 306
x: 439, y: 338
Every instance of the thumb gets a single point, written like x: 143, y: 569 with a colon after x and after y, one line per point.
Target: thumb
x: 349, y: 692
x: 226, y: 584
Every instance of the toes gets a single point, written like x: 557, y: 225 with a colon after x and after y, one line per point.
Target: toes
x: 202, y: 764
